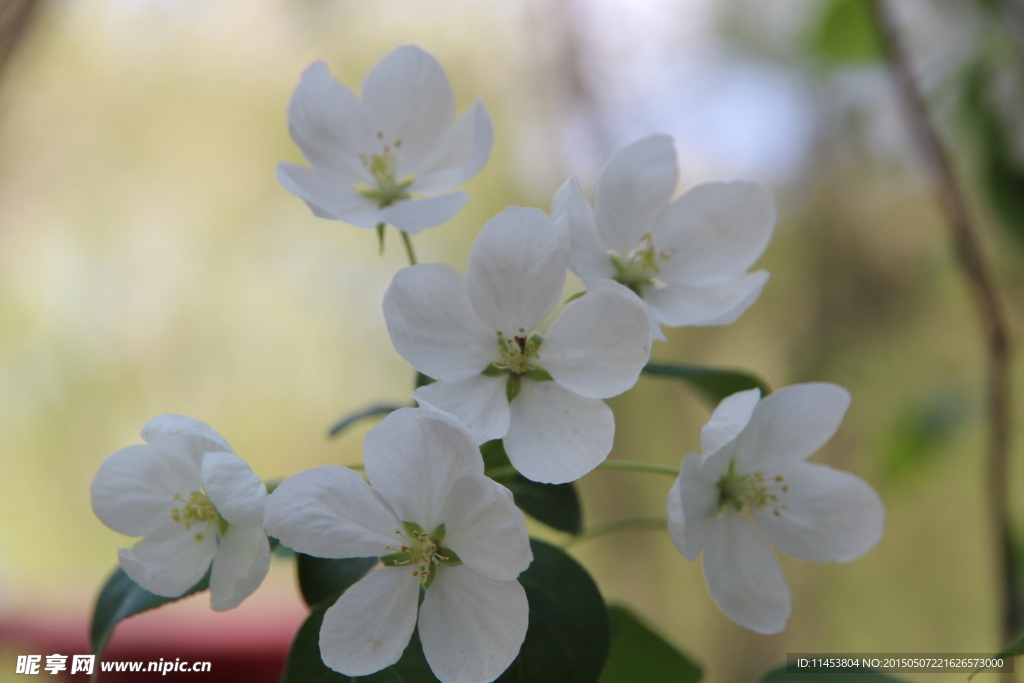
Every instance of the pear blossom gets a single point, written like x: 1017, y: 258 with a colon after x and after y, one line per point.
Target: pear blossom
x: 437, y: 524
x: 195, y: 502
x: 684, y: 259
x: 752, y: 486
x: 476, y: 335
x: 390, y: 157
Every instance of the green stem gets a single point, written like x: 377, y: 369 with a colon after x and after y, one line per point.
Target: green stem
x: 380, y: 238
x: 501, y: 472
x: 638, y: 467
x: 617, y: 525
x: 408, y: 248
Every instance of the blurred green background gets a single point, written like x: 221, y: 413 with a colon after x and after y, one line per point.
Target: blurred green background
x: 150, y: 263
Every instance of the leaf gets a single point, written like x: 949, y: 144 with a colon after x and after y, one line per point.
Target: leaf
x: 713, y: 383
x: 640, y: 654
x: 321, y: 578
x: 1014, y: 649
x: 121, y: 598
x: 372, y: 411
x: 919, y: 434
x: 846, y: 33
x: 781, y: 675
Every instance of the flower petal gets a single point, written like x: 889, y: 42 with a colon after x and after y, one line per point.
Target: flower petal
x: 328, y: 196
x: 697, y: 496
x: 574, y: 217
x: 479, y: 403
x: 326, y: 122
x: 133, y: 490
x: 407, y: 98
x: 743, y: 576
x: 598, y: 345
x: 413, y: 456
x: 242, y: 560
x: 486, y: 529
x: 172, y: 559
x: 234, y: 488
x: 472, y: 626
x: 184, y: 438
x: 633, y: 190
x: 714, y: 304
x: 829, y: 515
x: 556, y: 436
x: 330, y: 511
x: 370, y: 625
x: 459, y: 155
x: 516, y: 270
x: 598, y: 284
x: 433, y: 326
x: 791, y: 424
x: 730, y: 417
x: 420, y: 213
x: 715, y: 229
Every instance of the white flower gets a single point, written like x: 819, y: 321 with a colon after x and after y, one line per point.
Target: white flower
x: 475, y: 335
x: 437, y: 523
x: 385, y: 159
x: 753, y: 480
x: 195, y: 501
x: 684, y: 259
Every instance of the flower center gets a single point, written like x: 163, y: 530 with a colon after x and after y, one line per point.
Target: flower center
x: 198, y: 509
x: 518, y: 358
x: 639, y: 268
x: 383, y: 167
x: 422, y: 551
x: 750, y: 491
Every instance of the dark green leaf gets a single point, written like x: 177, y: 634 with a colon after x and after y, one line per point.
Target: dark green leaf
x: 495, y: 459
x: 556, y: 505
x: 713, y: 383
x: 1014, y: 649
x: 567, y: 640
x: 321, y: 578
x: 121, y: 598
x: 846, y: 33
x: 640, y: 654
x: 780, y: 675
x: 372, y: 411
x: 422, y: 380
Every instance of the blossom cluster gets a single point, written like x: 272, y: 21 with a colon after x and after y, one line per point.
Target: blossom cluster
x: 450, y: 541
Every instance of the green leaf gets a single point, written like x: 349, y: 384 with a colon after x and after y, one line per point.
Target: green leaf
x: 713, y: 383
x: 321, y: 578
x: 780, y: 675
x: 846, y: 33
x: 422, y: 380
x: 372, y: 411
x: 919, y: 433
x: 567, y: 639
x: 1014, y: 649
x: 640, y: 654
x: 121, y: 598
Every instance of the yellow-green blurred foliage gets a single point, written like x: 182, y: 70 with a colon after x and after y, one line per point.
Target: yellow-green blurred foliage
x: 150, y: 263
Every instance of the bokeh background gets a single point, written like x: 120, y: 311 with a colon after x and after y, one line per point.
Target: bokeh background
x: 150, y: 263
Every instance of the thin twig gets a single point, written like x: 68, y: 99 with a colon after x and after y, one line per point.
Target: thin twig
x: 990, y: 311
x: 617, y: 525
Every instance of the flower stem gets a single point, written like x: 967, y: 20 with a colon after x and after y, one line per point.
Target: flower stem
x: 380, y: 238
x: 617, y: 525
x: 408, y: 248
x: 638, y: 467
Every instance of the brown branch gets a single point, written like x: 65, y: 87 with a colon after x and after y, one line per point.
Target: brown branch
x: 16, y: 17
x: 993, y: 321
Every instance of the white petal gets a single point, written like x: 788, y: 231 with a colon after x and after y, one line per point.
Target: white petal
x: 574, y: 217
x: 407, y: 98
x: 633, y: 190
x: 413, y: 215
x: 599, y: 284
x: 242, y: 560
x: 478, y: 402
x: 330, y: 511
x: 326, y: 122
x: 743, y: 576
x: 183, y: 437
x: 698, y: 496
x: 790, y: 425
x: 598, y: 345
x: 133, y: 490
x: 486, y: 529
x: 472, y: 626
x: 459, y: 155
x: 170, y: 560
x: 715, y: 304
x: 329, y: 196
x: 829, y: 515
x: 728, y: 420
x: 413, y: 456
x: 516, y: 270
x: 715, y: 229
x: 433, y: 326
x: 234, y: 488
x: 556, y: 436
x: 370, y: 625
